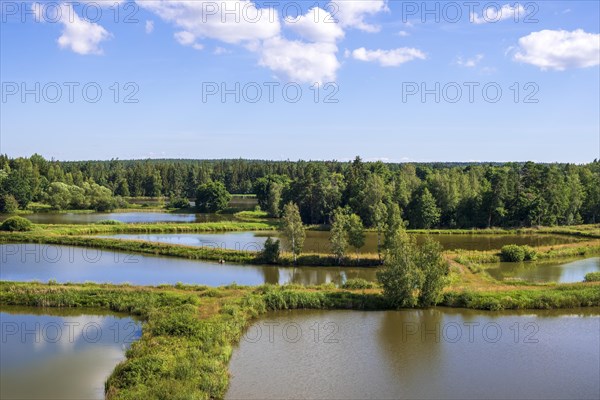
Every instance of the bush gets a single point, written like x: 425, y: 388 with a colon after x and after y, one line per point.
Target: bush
x: 592, y: 277
x: 512, y: 253
x: 8, y: 204
x: 16, y: 224
x: 270, y: 252
x: 530, y: 253
x: 516, y: 253
x: 178, y: 202
x: 358, y: 283
x: 109, y: 222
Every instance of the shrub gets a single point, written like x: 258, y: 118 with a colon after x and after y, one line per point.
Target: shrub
x: 512, y: 253
x: 178, y: 202
x: 8, y: 204
x: 16, y: 224
x: 530, y: 253
x: 270, y: 252
x: 358, y: 283
x: 109, y: 222
x: 592, y: 277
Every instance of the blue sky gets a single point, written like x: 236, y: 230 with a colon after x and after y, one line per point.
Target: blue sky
x: 373, y: 57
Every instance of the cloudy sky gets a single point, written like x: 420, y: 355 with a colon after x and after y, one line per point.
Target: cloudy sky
x: 390, y: 80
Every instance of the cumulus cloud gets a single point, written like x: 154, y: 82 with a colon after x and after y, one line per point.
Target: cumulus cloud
x: 300, y: 61
x: 389, y: 58
x: 315, y: 26
x: 245, y: 24
x: 313, y: 58
x: 187, y: 39
x: 559, y: 50
x: 494, y: 14
x: 79, y: 35
x: 469, y: 62
x: 352, y: 14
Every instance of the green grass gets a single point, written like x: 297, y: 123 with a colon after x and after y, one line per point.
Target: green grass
x: 544, y: 297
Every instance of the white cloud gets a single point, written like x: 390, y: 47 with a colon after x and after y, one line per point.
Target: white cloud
x: 352, y: 13
x: 469, y: 62
x: 403, y: 33
x: 299, y: 61
x: 209, y: 19
x: 388, y: 58
x: 79, y: 35
x: 259, y: 30
x: 559, y: 50
x: 314, y: 26
x: 494, y: 14
x: 187, y: 39
x: 149, y: 26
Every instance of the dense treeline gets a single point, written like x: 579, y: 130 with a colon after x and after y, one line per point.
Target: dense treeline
x: 453, y: 195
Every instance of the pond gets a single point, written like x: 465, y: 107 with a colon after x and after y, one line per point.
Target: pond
x: 61, y: 353
x: 127, y: 217
x: 318, y: 241
x: 546, y: 271
x: 419, y: 354
x: 27, y: 262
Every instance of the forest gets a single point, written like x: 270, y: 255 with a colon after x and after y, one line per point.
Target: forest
x: 428, y: 195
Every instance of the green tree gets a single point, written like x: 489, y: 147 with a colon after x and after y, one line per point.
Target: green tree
x: 58, y: 195
x: 435, y: 272
x: 400, y: 276
x: 426, y: 213
x: 212, y: 197
x: 122, y: 188
x: 8, y: 204
x: 274, y: 199
x: 270, y: 252
x: 100, y: 198
x: 356, y: 232
x: 393, y: 225
x: 292, y: 228
x: 379, y: 213
x: 339, y: 234
x: 413, y: 275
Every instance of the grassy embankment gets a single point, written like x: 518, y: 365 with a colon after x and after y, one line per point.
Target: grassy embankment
x: 189, y: 331
x: 81, y: 235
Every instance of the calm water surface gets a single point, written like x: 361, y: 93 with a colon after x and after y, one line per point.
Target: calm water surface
x: 127, y: 217
x: 419, y: 354
x: 318, y: 241
x: 548, y: 271
x: 27, y: 262
x: 61, y: 354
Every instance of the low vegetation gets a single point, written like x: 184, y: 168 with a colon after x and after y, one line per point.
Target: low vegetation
x: 516, y: 253
x: 592, y: 277
x: 16, y: 224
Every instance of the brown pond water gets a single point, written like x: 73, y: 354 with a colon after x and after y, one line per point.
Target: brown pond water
x: 419, y: 354
x: 61, y: 354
